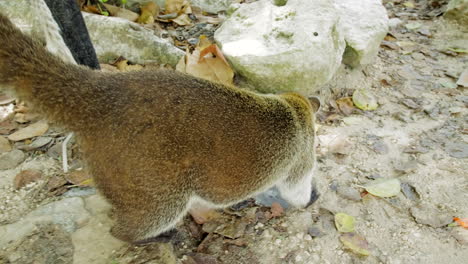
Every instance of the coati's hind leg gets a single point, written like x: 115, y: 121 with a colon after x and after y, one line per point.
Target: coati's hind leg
x: 138, y: 222
x: 298, y: 190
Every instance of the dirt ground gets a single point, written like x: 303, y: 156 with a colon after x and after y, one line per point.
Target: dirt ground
x: 417, y: 134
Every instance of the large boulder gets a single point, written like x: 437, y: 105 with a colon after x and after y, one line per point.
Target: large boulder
x: 295, y: 47
x: 113, y: 37
x: 458, y: 10
x: 363, y: 35
x: 298, y: 45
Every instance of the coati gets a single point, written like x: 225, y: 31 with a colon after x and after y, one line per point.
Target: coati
x: 158, y: 142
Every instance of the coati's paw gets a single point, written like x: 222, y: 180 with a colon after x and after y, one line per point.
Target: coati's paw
x: 314, y: 195
x: 169, y: 236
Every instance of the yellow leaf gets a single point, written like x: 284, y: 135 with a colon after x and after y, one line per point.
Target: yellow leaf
x: 182, y: 20
x: 174, y: 6
x: 344, y: 222
x: 148, y: 13
x: 409, y: 4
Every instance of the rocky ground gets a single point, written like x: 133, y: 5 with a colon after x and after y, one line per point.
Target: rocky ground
x: 418, y: 134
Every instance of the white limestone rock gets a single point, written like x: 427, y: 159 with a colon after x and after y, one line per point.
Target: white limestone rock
x: 295, y: 47
x: 457, y: 10
x: 113, y: 37
x: 212, y: 6
x: 364, y: 24
x: 68, y: 213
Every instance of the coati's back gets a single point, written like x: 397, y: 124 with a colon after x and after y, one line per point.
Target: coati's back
x: 158, y: 141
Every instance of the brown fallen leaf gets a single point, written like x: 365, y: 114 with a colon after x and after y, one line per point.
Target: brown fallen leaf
x: 7, y: 126
x: 346, y: 105
x: 276, y: 209
x: 182, y: 20
x: 122, y: 65
x: 203, y: 215
x: 149, y: 12
x: 122, y: 12
x: 356, y: 243
x: 174, y: 6
x: 25, y: 177
x: 79, y: 178
x: 34, y: 130
x: 207, y: 62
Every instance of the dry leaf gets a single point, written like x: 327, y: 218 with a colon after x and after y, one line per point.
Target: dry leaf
x: 344, y: 222
x: 123, y: 66
x: 79, y: 178
x: 212, y: 66
x: 34, y: 130
x: 174, y: 6
x: 346, y: 105
x: 276, y: 209
x: 148, y: 13
x: 364, y: 100
x: 203, y: 215
x: 384, y: 187
x: 355, y: 243
x: 182, y: 20
x: 25, y: 177
x: 121, y: 12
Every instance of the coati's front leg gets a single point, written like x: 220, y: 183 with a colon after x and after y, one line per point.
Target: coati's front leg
x: 298, y: 189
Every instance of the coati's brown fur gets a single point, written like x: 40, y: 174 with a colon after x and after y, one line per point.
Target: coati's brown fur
x: 156, y: 142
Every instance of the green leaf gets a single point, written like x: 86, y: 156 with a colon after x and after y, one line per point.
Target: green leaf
x: 356, y: 243
x: 384, y: 187
x: 413, y: 26
x: 449, y: 85
x: 344, y: 223
x: 364, y: 100
x: 458, y: 50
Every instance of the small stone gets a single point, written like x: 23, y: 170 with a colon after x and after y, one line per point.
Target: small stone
x: 4, y: 145
x: 349, y: 193
x: 418, y: 56
x: 37, y: 143
x: 425, y: 32
x: 461, y: 235
x: 200, y: 258
x: 25, y: 177
x: 463, y: 80
x: 406, y: 167
x: 410, y: 103
x: 380, y: 147
x: 315, y: 231
x: 34, y: 130
x: 394, y: 22
x: 427, y: 215
x: 11, y: 159
x: 409, y: 191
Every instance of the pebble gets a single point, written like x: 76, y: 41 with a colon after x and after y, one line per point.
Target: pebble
x: 37, y: 143
x: 349, y: 193
x: 11, y: 159
x: 4, y: 145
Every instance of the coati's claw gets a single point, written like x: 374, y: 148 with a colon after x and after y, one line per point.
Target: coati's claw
x: 314, y: 195
x: 166, y: 237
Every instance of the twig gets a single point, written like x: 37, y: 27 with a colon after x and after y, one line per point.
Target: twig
x: 64, y: 152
